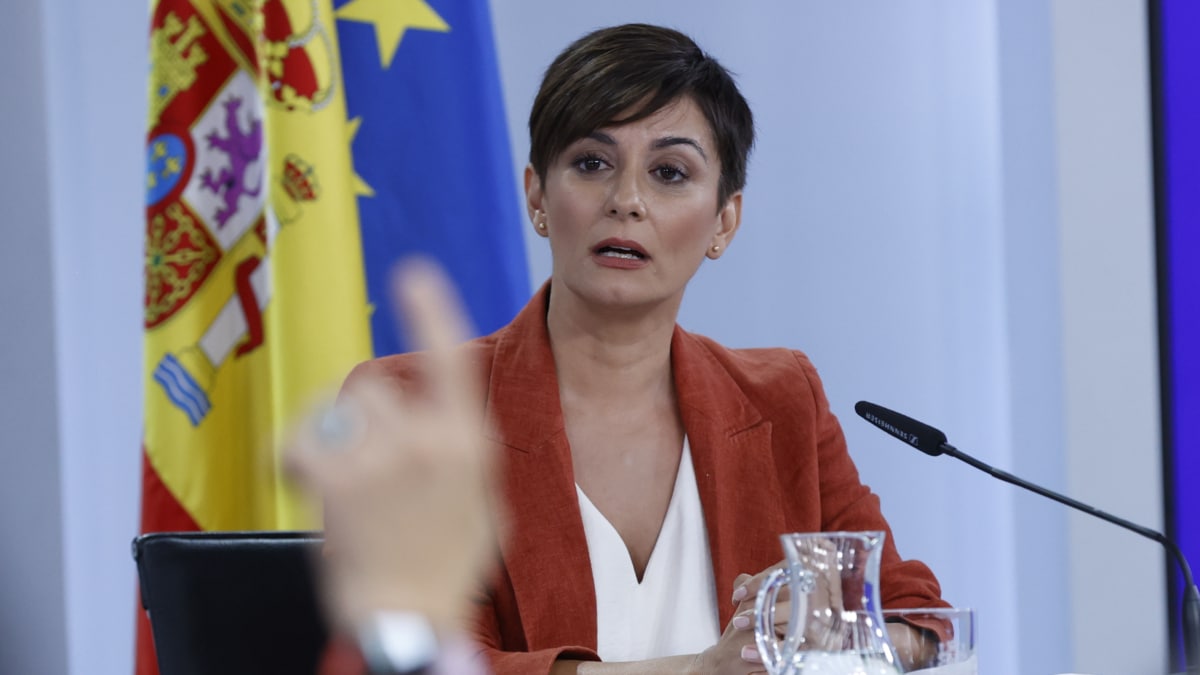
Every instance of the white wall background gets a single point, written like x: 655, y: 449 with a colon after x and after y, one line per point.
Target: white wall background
x: 949, y: 210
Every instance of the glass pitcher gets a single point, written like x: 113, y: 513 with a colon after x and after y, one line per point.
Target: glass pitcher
x: 835, y: 624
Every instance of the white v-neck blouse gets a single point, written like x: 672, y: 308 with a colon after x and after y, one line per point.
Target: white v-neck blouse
x: 674, y: 609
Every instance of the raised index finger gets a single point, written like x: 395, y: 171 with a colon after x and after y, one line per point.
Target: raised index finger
x: 437, y: 324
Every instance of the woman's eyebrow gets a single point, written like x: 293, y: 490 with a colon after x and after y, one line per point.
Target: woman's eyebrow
x: 602, y: 137
x: 664, y: 142
x: 668, y: 141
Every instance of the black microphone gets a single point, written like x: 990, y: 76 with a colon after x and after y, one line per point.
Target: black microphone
x: 932, y: 441
x: 917, y: 434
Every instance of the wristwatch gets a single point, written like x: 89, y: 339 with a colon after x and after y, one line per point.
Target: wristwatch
x: 398, y: 643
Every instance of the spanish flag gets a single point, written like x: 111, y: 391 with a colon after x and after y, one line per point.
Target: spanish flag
x: 295, y: 150
x: 255, y: 295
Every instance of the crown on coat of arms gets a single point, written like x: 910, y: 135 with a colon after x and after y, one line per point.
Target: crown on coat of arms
x: 176, y: 58
x: 299, y: 179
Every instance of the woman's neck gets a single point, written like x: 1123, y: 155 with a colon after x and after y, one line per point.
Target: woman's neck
x: 610, y: 355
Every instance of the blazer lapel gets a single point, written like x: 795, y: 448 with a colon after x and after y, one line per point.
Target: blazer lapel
x: 545, y: 552
x: 731, y: 452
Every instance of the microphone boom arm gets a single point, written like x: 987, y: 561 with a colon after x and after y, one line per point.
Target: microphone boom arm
x: 1075, y: 504
x: 932, y: 441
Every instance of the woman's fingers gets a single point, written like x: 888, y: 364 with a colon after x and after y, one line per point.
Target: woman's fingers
x: 744, y: 620
x: 745, y: 586
x: 818, y: 590
x: 734, y: 654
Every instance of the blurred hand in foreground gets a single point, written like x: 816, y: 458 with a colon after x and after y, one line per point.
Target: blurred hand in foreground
x: 404, y: 476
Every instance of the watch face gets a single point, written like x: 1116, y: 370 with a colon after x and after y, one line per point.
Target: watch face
x: 398, y: 643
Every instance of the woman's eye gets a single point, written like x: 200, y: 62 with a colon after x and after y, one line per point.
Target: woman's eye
x: 589, y: 163
x: 670, y: 174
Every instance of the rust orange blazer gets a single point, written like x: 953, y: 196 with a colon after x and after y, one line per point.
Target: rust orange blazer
x: 769, y: 458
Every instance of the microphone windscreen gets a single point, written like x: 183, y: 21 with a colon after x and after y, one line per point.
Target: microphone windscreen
x: 917, y: 434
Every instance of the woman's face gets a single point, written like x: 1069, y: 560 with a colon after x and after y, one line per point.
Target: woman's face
x: 631, y: 210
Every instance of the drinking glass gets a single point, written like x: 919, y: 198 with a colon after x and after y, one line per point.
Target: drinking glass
x: 944, y: 645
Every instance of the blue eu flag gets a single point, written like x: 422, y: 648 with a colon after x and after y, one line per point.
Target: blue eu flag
x: 431, y: 152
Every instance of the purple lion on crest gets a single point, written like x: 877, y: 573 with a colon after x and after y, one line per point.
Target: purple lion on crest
x: 242, y: 149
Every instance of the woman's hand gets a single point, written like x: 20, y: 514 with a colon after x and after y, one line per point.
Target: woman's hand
x: 745, y: 587
x: 736, y: 650
x: 821, y: 602
x: 915, y: 647
x: 404, y: 477
x: 734, y: 653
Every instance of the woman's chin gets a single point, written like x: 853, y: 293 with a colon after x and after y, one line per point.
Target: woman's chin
x: 624, y: 296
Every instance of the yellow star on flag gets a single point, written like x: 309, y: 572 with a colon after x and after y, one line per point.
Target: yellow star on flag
x: 391, y: 18
x: 361, y: 187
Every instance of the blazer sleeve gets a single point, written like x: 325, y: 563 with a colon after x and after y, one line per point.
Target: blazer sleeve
x: 848, y: 505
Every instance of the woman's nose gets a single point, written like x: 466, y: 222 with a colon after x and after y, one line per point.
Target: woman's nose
x: 625, y: 198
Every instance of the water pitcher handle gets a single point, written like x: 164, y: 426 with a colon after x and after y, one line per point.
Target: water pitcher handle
x: 764, y: 627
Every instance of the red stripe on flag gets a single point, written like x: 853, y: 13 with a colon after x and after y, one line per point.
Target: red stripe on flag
x: 161, y: 512
x: 145, y: 658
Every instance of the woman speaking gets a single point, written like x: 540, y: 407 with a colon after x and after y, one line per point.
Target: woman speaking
x: 646, y: 472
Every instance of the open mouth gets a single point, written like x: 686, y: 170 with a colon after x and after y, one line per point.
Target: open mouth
x: 620, y: 252
x: 621, y: 249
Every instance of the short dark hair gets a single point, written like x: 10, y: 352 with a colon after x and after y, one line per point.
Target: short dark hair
x: 608, y: 72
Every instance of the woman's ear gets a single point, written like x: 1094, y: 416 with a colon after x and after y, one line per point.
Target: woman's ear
x: 533, y: 194
x: 729, y: 219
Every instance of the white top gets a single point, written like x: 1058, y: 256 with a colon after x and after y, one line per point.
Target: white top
x: 674, y: 608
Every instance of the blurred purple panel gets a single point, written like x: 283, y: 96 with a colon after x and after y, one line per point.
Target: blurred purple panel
x: 1180, y: 115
